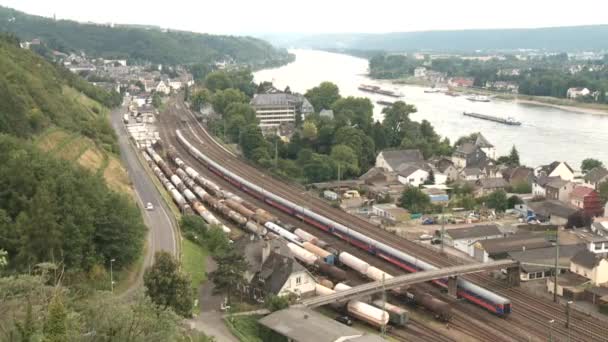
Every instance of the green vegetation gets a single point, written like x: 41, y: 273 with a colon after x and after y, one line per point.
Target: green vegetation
x: 55, y: 211
x: 590, y: 164
x: 510, y: 160
x: 229, y: 275
x: 32, y: 309
x: 247, y: 329
x: 167, y: 286
x: 139, y: 44
x: 414, y: 200
x: 35, y: 95
x: 194, y: 263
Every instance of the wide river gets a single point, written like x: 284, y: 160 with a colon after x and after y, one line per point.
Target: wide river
x: 546, y: 134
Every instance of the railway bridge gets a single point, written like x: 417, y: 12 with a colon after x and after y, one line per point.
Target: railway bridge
x: 451, y: 273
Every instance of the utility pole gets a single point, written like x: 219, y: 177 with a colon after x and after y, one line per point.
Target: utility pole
x: 383, y: 327
x: 276, y: 149
x: 556, y: 270
x: 339, y: 187
x: 111, y: 276
x: 442, y: 227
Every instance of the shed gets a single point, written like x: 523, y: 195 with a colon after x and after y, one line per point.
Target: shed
x: 495, y: 249
x: 544, y: 256
x: 465, y: 238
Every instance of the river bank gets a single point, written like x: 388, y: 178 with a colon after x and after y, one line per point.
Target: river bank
x: 553, y: 102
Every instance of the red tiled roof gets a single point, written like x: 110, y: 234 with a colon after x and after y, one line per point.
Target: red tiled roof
x: 581, y: 192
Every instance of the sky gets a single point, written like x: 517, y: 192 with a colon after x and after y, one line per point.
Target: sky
x: 323, y: 16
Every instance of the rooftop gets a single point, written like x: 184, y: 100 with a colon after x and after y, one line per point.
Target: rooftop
x: 546, y: 256
x: 557, y: 183
x: 552, y: 207
x: 474, y: 232
x: 581, y: 192
x: 302, y: 324
x: 482, y: 141
x: 517, y: 242
x: 397, y: 157
x: 587, y: 259
x: 279, y: 100
x: 493, y: 183
x: 596, y: 175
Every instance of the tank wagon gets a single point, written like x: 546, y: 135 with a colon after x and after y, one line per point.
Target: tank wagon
x: 472, y: 292
x: 397, y: 315
x: 440, y: 309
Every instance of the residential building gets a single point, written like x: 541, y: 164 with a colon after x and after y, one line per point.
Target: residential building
x: 272, y: 269
x: 553, y: 211
x: 595, y: 177
x: 163, y: 87
x: 412, y: 174
x: 539, y: 185
x: 539, y: 263
x: 518, y: 175
x: 465, y: 82
x: 593, y: 266
x: 485, y: 146
x: 495, y: 249
x: 471, y: 174
x: 468, y: 154
x: 390, y: 160
x: 559, y: 189
x: 464, y: 239
x: 600, y: 226
x: 390, y: 212
x: 273, y: 110
x: 377, y: 175
x: 444, y: 171
x: 420, y: 72
x: 574, y: 93
x: 556, y: 169
x: 588, y: 200
x: 486, y: 186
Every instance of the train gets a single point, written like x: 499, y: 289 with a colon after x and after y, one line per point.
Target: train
x: 360, y: 310
x: 484, y: 298
x: 440, y: 309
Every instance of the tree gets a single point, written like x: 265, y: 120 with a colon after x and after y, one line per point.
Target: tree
x: 590, y: 164
x: 276, y: 303
x: 603, y: 190
x: 396, y: 120
x: 414, y: 200
x: 513, y: 157
x: 167, y: 286
x: 346, y: 158
x: 323, y: 96
x: 156, y: 100
x: 229, y: 274
x: 223, y: 98
x: 358, y: 110
x: 55, y: 327
x: 361, y: 144
x: 513, y: 201
x: 200, y: 98
x: 309, y: 130
x: 217, y: 80
x: 497, y: 200
x: 522, y: 187
x: 252, y: 138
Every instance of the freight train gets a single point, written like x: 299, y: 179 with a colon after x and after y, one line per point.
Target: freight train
x: 474, y: 293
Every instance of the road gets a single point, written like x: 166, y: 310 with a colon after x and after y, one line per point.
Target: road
x: 161, y: 225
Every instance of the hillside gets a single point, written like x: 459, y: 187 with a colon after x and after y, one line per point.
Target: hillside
x: 573, y: 38
x: 140, y: 43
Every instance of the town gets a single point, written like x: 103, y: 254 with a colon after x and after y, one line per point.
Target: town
x: 205, y: 193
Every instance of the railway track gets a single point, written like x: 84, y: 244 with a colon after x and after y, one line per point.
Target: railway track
x: 528, y: 306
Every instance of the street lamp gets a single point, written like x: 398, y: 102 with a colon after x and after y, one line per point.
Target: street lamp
x: 111, y: 276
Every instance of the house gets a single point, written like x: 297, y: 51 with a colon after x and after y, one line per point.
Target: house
x: 378, y: 175
x: 553, y: 211
x: 272, y: 269
x: 175, y: 84
x: 555, y: 169
x: 162, y: 87
x: 412, y: 174
x: 559, y: 189
x: 518, y: 175
x: 326, y: 113
x: 600, y: 227
x: 300, y: 324
x: 444, y: 171
x: 471, y: 174
x: 468, y: 154
x: 587, y: 199
x: 539, y: 263
x: 593, y: 266
x: 273, y: 110
x: 486, y: 186
x: 465, y: 238
x: 595, y: 177
x: 539, y: 186
x: 495, y: 249
x: 510, y: 87
x: 485, y: 146
x: 420, y: 72
x: 569, y: 285
x: 465, y: 82
x: 392, y: 159
x: 574, y: 93
x: 391, y: 212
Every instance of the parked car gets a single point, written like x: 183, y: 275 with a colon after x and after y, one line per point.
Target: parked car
x: 149, y: 206
x: 345, y: 320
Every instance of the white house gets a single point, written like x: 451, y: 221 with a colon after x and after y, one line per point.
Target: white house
x: 555, y: 169
x: 593, y: 266
x: 175, y: 84
x: 162, y: 87
x: 413, y: 175
x: 574, y: 93
x: 390, y: 160
x: 464, y: 239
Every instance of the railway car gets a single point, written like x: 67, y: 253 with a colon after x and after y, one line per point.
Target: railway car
x: 331, y: 271
x: 275, y: 228
x: 440, y: 309
x: 353, y: 262
x: 474, y: 293
x: 320, y: 252
x: 397, y: 315
x: 302, y: 254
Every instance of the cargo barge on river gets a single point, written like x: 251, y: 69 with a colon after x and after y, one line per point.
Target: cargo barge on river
x: 507, y: 121
x: 378, y: 90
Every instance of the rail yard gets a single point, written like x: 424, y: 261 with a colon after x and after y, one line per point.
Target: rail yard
x: 530, y: 317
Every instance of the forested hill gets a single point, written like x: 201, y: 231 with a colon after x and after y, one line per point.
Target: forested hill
x: 140, y: 43
x: 34, y: 95
x: 572, y: 38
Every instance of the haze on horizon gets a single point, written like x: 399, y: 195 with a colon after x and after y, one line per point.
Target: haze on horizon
x: 322, y: 16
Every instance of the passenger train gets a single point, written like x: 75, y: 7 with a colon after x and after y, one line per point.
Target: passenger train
x: 474, y: 293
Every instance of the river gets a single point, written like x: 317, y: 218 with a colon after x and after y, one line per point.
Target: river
x: 546, y: 134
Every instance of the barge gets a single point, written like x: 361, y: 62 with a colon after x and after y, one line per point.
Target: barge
x: 385, y: 103
x: 478, y: 98
x: 378, y: 90
x: 507, y: 121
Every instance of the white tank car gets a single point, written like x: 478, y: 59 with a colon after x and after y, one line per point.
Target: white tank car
x: 375, y: 273
x: 302, y: 254
x: 282, y: 232
x: 353, y: 262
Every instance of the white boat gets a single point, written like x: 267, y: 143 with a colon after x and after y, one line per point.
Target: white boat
x: 478, y: 98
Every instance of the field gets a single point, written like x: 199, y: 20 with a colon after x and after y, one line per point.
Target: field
x: 194, y: 262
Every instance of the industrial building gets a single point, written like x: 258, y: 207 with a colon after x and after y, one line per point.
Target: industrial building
x: 273, y: 110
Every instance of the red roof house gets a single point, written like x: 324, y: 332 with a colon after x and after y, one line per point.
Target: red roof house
x: 588, y: 200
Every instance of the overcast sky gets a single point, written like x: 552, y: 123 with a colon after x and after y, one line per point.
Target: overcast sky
x: 323, y: 16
